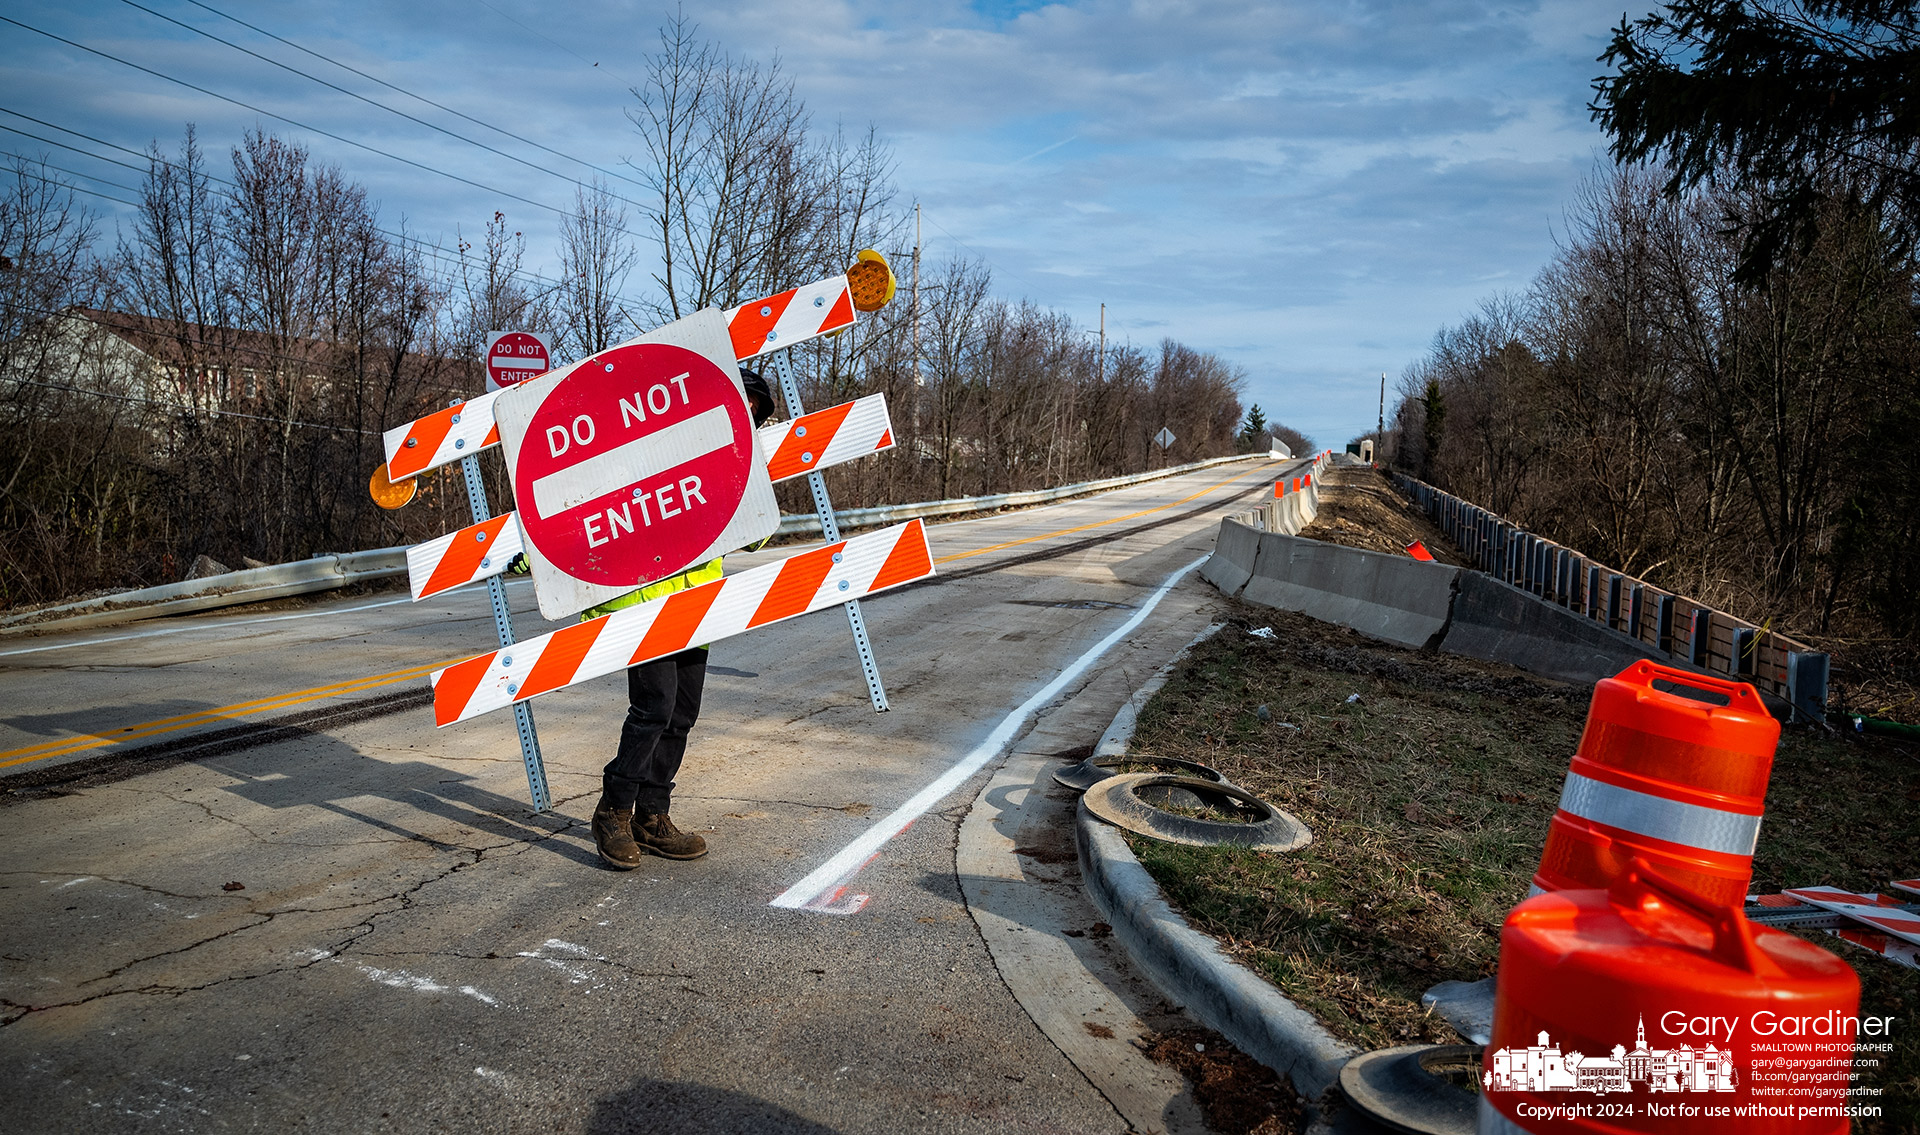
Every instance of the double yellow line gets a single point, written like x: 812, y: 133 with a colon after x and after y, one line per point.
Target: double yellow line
x: 66, y: 746
x: 1098, y: 523
x: 80, y: 744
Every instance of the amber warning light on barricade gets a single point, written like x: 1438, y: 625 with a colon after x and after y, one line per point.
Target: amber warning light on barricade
x: 389, y: 494
x: 871, y: 281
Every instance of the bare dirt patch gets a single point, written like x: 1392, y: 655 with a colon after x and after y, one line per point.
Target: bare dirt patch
x: 1360, y: 508
x: 1237, y: 1094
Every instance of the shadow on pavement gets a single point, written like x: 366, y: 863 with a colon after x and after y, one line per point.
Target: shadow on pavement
x: 657, y: 1106
x: 76, y: 722
x: 321, y: 771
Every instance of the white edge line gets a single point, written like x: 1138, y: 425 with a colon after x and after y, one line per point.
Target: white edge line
x: 836, y: 871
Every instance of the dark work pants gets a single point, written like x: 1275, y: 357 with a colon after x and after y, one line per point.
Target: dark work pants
x: 663, y: 701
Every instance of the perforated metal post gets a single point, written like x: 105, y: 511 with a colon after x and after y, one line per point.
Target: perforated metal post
x: 830, y: 528
x: 503, y: 624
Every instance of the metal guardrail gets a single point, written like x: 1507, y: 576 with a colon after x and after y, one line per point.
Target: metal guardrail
x: 230, y: 589
x: 1686, y: 629
x: 892, y: 513
x: 332, y: 570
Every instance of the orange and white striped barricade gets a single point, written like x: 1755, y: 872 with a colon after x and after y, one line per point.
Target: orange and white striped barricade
x: 819, y: 440
x: 1678, y: 781
x: 1864, y: 909
x: 803, y: 445
x: 811, y: 581
x: 792, y: 317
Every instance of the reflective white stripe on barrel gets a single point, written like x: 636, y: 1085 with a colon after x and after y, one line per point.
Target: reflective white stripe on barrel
x: 1710, y: 829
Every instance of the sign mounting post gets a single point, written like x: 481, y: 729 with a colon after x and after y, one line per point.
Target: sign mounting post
x: 503, y: 625
x: 830, y: 528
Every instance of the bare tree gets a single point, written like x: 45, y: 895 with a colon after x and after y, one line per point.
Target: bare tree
x: 595, y: 260
x: 734, y: 196
x: 492, y: 290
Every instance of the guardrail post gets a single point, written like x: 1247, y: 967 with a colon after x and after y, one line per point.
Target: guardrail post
x: 1635, y: 607
x: 1807, y: 686
x: 503, y: 626
x: 1563, y: 581
x: 830, y: 528
x: 1741, y: 664
x: 1593, y: 590
x: 1701, y: 647
x: 1663, y: 624
x: 1614, y: 584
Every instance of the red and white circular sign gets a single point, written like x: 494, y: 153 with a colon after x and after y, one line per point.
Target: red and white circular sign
x: 633, y: 464
x: 515, y: 356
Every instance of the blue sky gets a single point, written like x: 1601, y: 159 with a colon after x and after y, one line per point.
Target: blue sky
x: 1310, y: 190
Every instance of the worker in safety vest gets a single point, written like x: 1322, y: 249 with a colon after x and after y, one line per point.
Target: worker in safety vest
x: 663, y: 701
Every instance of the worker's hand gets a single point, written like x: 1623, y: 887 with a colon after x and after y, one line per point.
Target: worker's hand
x: 518, y: 565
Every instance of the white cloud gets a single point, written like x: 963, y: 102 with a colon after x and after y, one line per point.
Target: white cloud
x: 1281, y: 182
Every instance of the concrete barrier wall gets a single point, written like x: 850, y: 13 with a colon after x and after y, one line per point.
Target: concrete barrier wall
x: 1397, y: 599
x: 1428, y: 606
x: 1497, y: 622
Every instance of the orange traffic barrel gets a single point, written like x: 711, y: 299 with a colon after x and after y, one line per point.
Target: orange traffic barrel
x: 1662, y: 774
x: 1647, y: 1007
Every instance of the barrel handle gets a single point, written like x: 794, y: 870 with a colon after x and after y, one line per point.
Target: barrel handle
x: 1733, y: 941
x: 1644, y: 673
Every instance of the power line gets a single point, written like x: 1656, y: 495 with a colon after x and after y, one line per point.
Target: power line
x: 420, y: 97
x: 431, y: 250
x: 74, y: 172
x: 289, y: 121
x: 591, y: 64
x: 378, y: 105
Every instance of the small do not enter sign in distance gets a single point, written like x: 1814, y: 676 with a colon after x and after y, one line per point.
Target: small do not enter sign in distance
x: 515, y: 356
x: 635, y: 464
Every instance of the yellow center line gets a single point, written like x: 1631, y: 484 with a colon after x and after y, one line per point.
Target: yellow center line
x: 80, y: 744
x: 1098, y: 523
x: 65, y: 746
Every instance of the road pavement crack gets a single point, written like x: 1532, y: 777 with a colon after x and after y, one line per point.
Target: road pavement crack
x: 81, y: 876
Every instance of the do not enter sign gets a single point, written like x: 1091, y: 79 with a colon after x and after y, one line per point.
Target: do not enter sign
x: 515, y: 356
x: 635, y: 464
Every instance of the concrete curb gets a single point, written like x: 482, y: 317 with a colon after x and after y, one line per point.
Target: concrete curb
x: 1188, y: 966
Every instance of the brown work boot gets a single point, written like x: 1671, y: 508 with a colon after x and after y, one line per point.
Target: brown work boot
x: 656, y: 834
x: 613, y: 834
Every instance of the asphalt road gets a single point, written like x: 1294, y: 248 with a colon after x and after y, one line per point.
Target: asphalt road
x: 244, y: 883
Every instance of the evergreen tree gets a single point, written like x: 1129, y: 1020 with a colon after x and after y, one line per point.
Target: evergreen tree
x: 1800, y: 102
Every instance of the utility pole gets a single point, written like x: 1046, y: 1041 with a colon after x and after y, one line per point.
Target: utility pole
x: 1380, y: 431
x: 913, y: 304
x: 1103, y: 344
